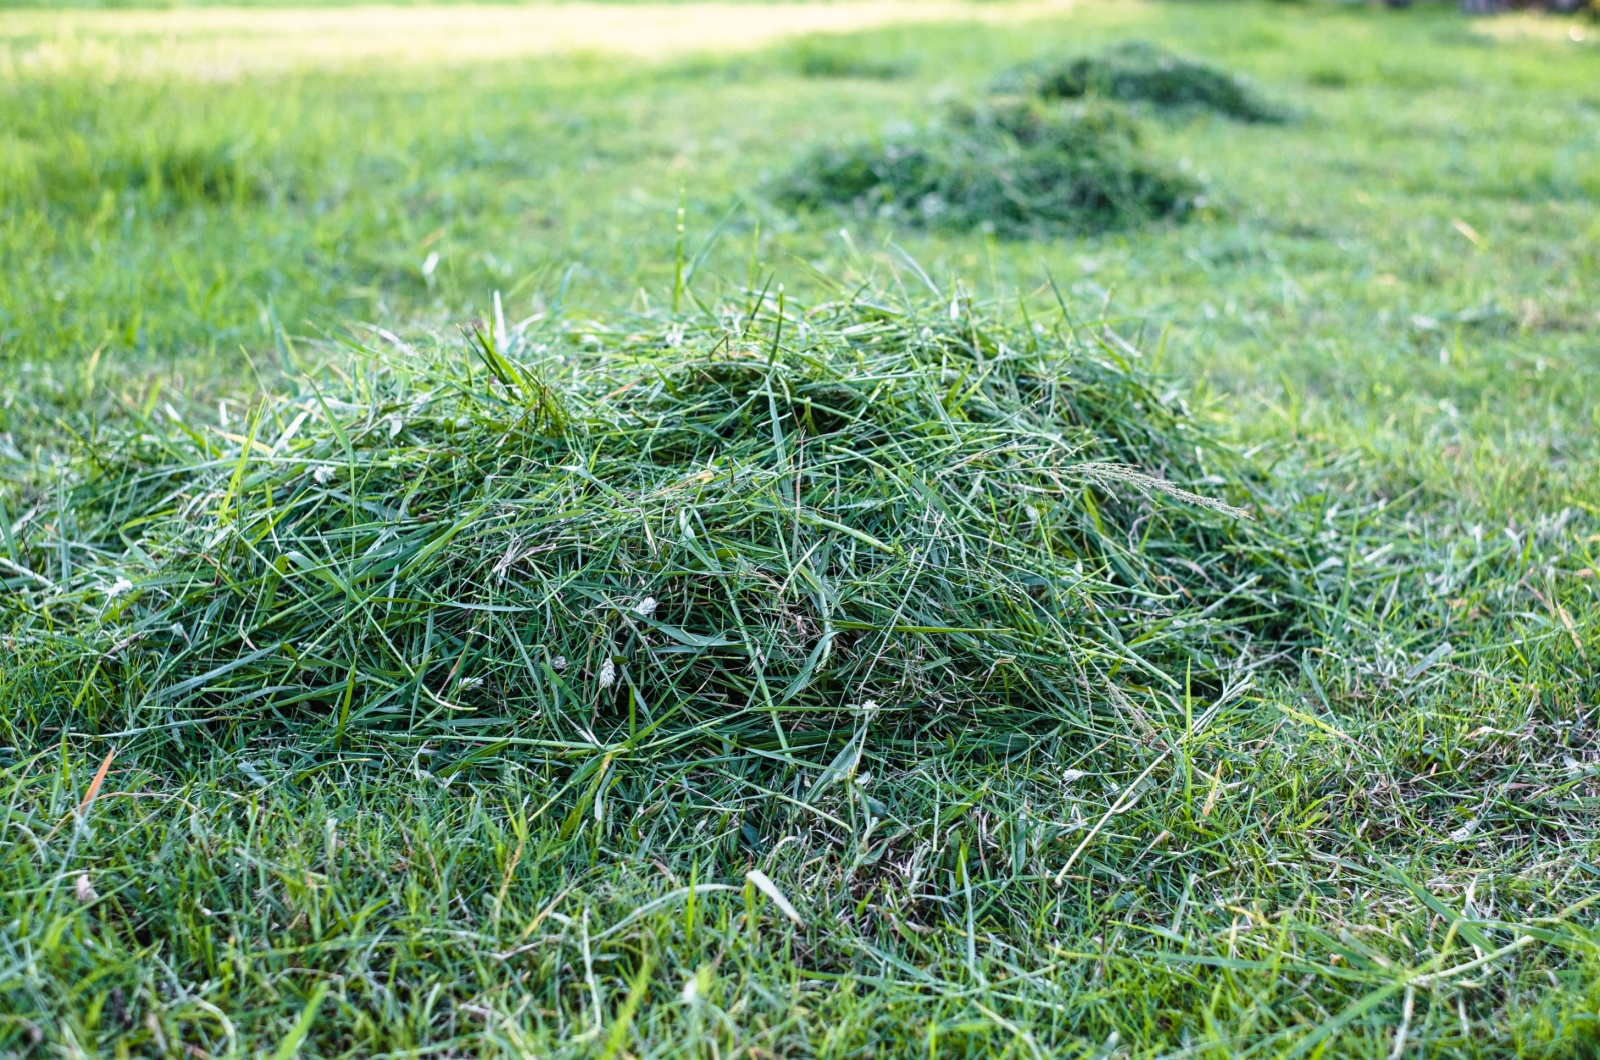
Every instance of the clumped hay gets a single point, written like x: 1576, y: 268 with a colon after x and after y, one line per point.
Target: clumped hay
x: 1139, y: 72
x: 1016, y: 166
x: 654, y: 539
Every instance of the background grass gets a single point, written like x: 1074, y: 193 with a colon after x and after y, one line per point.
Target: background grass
x: 1391, y: 294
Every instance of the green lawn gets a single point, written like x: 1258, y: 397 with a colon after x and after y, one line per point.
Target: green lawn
x: 1385, y: 844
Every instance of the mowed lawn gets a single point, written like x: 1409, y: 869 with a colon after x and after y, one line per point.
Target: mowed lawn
x: 1385, y: 846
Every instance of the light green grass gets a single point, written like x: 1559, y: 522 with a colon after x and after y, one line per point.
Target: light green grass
x: 1388, y: 305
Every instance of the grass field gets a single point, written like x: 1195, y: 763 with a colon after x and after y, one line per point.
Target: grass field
x: 1327, y: 785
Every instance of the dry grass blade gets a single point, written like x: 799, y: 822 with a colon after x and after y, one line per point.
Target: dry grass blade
x: 94, y: 785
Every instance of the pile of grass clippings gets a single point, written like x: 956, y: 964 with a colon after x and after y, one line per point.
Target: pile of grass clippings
x: 947, y: 625
x: 1139, y: 72
x: 650, y: 538
x: 1017, y: 167
x: 653, y: 540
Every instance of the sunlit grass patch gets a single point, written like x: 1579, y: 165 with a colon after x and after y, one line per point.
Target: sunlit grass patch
x: 230, y: 43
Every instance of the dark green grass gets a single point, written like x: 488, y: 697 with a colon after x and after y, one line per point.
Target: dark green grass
x: 1425, y: 400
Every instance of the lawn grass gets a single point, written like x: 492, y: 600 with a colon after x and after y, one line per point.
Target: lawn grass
x: 1350, y: 811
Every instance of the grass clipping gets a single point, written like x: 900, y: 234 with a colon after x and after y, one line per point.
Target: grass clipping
x: 1138, y: 72
x: 651, y: 540
x: 1017, y: 167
